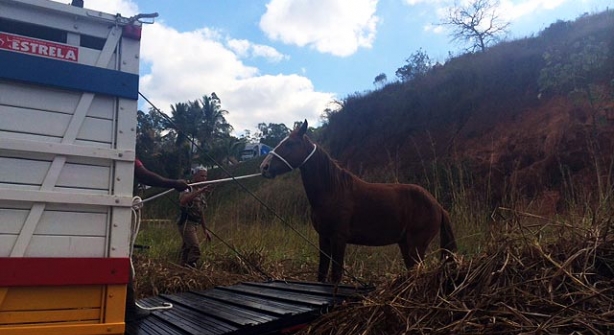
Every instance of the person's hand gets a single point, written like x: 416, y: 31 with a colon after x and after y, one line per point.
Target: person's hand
x: 204, y: 189
x: 207, y: 235
x: 180, y: 185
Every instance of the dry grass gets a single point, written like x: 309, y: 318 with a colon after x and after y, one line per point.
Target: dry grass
x: 533, y: 276
x: 518, y: 285
x: 250, y: 252
x: 515, y: 272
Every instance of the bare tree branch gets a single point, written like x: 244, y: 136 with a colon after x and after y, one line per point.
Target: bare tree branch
x: 477, y: 24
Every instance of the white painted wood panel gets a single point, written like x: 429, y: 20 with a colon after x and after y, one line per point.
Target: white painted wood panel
x: 120, y: 232
x: 20, y: 120
x: 79, y: 154
x: 126, y: 125
x: 60, y: 207
x: 56, y: 223
x: 85, y: 176
x: 9, y: 192
x: 32, y: 172
x: 12, y: 220
x: 6, y: 244
x: 51, y: 139
x: 66, y: 246
x: 52, y: 99
x: 57, y: 246
x: 65, y: 199
x: 130, y: 55
x: 72, y: 224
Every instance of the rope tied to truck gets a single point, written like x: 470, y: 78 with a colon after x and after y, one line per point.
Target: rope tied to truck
x: 137, y: 205
x: 266, y: 206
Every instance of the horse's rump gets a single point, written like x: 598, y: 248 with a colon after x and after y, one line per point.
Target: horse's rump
x: 384, y: 213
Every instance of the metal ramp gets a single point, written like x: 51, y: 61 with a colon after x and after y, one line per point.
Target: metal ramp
x: 275, y: 307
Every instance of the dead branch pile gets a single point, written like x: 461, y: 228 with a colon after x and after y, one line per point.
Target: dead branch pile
x: 154, y: 277
x: 516, y: 286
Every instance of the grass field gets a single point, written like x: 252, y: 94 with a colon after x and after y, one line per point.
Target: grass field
x: 521, y: 264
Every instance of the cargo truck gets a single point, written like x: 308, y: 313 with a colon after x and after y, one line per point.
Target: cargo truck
x: 68, y: 103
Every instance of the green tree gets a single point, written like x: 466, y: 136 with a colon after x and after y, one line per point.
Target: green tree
x: 418, y: 64
x: 273, y: 133
x: 185, y: 125
x: 576, y: 70
x: 227, y: 150
x: 380, y: 80
x: 213, y: 123
x: 199, y: 126
x: 573, y: 67
x: 148, y: 134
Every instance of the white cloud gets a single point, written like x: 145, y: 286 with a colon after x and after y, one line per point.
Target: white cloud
x: 187, y: 65
x: 338, y: 27
x: 508, y: 10
x: 125, y: 8
x: 268, y: 52
x: 184, y: 66
x: 512, y: 10
x: 239, y: 47
x: 277, y: 99
x: 417, y: 2
x: 244, y: 49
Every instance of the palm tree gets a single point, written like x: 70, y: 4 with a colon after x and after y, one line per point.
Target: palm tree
x: 227, y: 150
x: 215, y: 125
x: 186, y: 125
x: 199, y: 125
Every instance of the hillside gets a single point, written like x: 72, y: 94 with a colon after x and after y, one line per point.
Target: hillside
x: 531, y: 118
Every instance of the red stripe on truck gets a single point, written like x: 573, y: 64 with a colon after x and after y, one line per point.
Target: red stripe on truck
x: 26, y: 271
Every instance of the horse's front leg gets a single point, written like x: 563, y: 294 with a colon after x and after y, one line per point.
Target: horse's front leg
x: 338, y: 254
x: 325, y: 254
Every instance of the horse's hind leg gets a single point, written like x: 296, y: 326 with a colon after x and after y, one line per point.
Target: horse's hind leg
x: 412, y: 252
x: 325, y: 255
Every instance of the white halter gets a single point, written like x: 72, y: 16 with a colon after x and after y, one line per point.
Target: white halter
x: 272, y: 152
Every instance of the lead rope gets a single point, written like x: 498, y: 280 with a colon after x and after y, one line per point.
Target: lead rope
x: 137, y: 204
x: 275, y: 214
x: 199, y: 183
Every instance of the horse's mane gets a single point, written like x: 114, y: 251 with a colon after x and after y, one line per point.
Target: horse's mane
x: 337, y: 177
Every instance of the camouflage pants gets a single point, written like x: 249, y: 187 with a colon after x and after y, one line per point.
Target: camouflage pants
x: 190, y: 249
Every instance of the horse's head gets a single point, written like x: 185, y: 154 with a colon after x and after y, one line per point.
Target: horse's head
x: 291, y: 153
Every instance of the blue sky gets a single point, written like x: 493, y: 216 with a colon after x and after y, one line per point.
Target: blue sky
x: 280, y: 61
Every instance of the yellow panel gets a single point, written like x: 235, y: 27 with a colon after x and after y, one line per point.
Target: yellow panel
x: 116, y: 304
x: 74, y: 310
x: 71, y: 329
x: 92, y: 315
x: 52, y: 298
x: 3, y: 291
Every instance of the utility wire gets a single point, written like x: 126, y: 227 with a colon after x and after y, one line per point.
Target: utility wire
x: 267, y: 207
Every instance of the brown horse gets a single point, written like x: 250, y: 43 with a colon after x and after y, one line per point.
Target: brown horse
x: 346, y: 209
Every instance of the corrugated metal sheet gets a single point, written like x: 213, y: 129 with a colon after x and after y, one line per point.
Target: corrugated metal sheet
x: 246, y: 308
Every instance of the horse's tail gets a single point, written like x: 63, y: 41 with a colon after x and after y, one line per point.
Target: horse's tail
x: 448, y: 242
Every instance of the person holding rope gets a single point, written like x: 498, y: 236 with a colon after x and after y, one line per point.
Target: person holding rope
x: 133, y: 311
x: 193, y: 204
x: 150, y: 178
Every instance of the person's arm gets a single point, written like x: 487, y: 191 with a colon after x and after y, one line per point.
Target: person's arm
x: 153, y: 179
x: 188, y: 197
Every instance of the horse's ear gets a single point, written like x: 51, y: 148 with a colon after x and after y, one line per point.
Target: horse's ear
x: 303, y: 129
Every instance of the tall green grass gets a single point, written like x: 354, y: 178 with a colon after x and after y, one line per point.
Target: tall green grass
x: 261, y: 227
